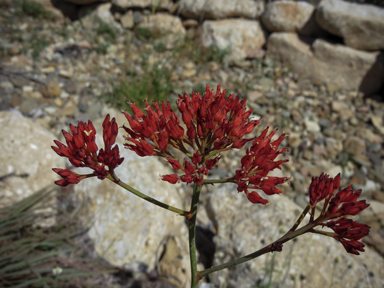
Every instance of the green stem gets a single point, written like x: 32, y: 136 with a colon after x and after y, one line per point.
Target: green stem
x: 112, y: 176
x: 192, y: 235
x: 266, y: 249
x: 297, y: 223
x: 329, y: 234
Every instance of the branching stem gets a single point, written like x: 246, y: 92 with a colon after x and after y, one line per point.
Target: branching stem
x: 112, y: 176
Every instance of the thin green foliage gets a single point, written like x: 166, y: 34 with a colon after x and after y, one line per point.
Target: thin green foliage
x: 153, y: 85
x: 29, y: 250
x: 35, y: 10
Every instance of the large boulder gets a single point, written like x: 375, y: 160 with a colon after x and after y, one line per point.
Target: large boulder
x: 337, y: 66
x: 220, y: 9
x: 127, y: 4
x: 128, y: 231
x: 26, y: 157
x: 361, y: 26
x: 311, y: 260
x: 167, y: 27
x: 239, y: 38
x: 290, y: 16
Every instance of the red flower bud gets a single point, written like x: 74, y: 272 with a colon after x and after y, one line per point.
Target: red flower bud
x: 189, y: 168
x: 175, y: 164
x: 191, y: 133
x: 209, y: 163
x: 172, y: 178
x: 255, y: 198
x: 186, y: 178
x: 196, y: 159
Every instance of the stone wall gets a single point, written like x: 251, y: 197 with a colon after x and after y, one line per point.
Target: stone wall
x: 339, y: 44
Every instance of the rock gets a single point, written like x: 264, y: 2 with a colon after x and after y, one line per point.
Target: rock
x: 18, y: 80
x: 166, y: 27
x: 288, y: 16
x: 220, y: 9
x: 311, y: 125
x: 334, y: 144
x: 49, y: 69
x: 308, y: 155
x: 237, y: 36
x: 354, y: 145
x: 335, y: 65
x: 377, y: 122
x: 173, y: 263
x: 190, y: 23
x: 360, y: 25
x: 213, y: 66
x: 137, y: 17
x: 51, y: 90
x: 127, y: 20
x: 127, y: 230
x: 86, y: 2
x: 267, y: 83
x: 102, y: 12
x: 294, y: 140
x: 28, y: 104
x: 26, y: 156
x: 66, y: 73
x: 299, y: 184
x: 244, y: 227
x: 126, y: 4
x: 189, y: 73
x: 337, y: 106
x: 189, y: 65
x: 379, y: 196
x: 368, y: 187
x: 347, y: 64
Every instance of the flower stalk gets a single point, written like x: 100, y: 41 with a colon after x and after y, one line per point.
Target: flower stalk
x: 275, y: 246
x: 116, y: 180
x: 192, y: 234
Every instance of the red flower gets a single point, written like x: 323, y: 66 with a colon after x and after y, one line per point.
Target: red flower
x: 255, y: 198
x: 172, y: 178
x: 257, y: 163
x: 347, y: 231
x: 347, y: 197
x: 347, y: 228
x: 352, y: 246
x: 70, y: 177
x: 81, y: 151
x: 175, y: 164
x: 321, y: 187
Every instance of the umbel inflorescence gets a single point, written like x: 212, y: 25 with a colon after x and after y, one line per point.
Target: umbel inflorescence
x: 213, y: 124
x: 203, y: 129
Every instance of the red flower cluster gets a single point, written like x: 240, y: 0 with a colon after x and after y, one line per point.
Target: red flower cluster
x: 322, y: 187
x: 82, y: 151
x: 214, y: 123
x: 348, y: 232
x: 256, y: 164
x: 344, y: 203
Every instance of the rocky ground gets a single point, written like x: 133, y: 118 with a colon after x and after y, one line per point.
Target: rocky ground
x: 58, y: 73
